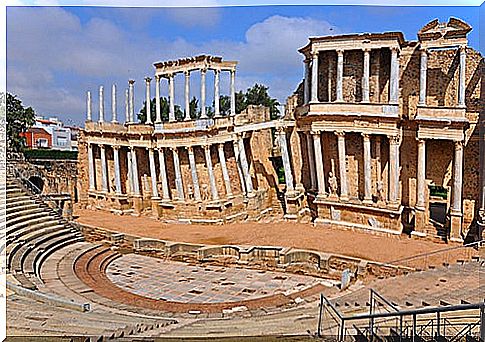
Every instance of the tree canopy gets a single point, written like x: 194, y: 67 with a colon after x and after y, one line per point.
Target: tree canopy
x: 19, y: 119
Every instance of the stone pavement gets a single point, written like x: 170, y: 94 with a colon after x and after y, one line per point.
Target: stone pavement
x: 179, y: 282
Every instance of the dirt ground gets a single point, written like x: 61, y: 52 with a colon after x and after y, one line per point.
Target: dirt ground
x: 322, y: 238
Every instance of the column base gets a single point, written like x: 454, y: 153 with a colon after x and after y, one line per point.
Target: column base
x: 419, y: 221
x: 456, y: 226
x: 367, y: 201
x: 138, y: 204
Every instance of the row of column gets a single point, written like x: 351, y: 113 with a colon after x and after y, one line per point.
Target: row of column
x: 456, y: 203
x: 311, y: 87
x: 134, y: 188
x: 424, y: 72
x: 129, y: 98
x: 317, y: 174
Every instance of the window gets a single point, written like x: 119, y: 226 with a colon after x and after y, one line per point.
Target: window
x: 42, y: 142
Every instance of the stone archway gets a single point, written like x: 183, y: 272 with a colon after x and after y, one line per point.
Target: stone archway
x: 38, y: 182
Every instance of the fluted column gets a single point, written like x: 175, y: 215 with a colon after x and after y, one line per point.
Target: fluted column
x: 116, y: 158
x: 134, y: 172
x: 158, y: 110
x: 421, y: 176
x: 148, y: 108
x: 462, y: 85
x: 244, y: 165
x: 367, y: 169
x: 114, y: 117
x: 225, y: 173
x: 286, y: 160
x: 127, y: 106
x: 104, y: 169
x: 89, y: 107
x: 193, y: 170
x: 306, y: 87
x: 171, y: 115
x: 163, y: 174
x: 457, y: 178
x: 315, y: 77
x: 131, y: 186
x: 210, y: 171
x: 340, y: 75
x: 217, y: 111
x: 394, y: 77
x: 311, y: 160
x: 242, y: 180
x: 366, y: 76
x: 342, y: 166
x: 233, y: 92
x: 203, y: 114
x: 187, y: 95
x: 329, y: 80
x: 317, y: 150
x: 153, y: 173
x: 92, y: 176
x: 178, y: 174
x: 423, y: 71
x: 394, y: 142
x: 131, y: 89
x: 101, y: 104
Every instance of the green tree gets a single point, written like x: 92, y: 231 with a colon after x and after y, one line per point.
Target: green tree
x: 19, y: 119
x: 164, y: 110
x: 258, y: 95
x: 224, y: 104
x: 194, y: 108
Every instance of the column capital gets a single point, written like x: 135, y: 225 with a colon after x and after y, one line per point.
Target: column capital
x: 395, y: 49
x: 462, y: 48
x: 131, y: 82
x: 147, y: 80
x: 102, y: 146
x: 157, y: 78
x: 170, y: 75
x: 395, y: 139
x: 187, y: 73
x: 420, y: 140
x: 315, y: 54
x: 423, y: 51
x: 339, y: 134
x: 206, y: 147
x: 132, y: 148
x: 190, y: 149
x: 315, y: 132
x: 458, y: 144
x: 366, y: 49
x: 365, y: 135
x: 280, y: 130
x: 115, y: 147
x: 217, y: 71
x: 173, y: 149
x: 203, y: 70
x: 340, y: 52
x: 220, y: 146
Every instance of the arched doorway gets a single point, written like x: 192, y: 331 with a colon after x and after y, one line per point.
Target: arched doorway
x: 38, y: 182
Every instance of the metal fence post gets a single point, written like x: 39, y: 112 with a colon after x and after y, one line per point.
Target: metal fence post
x: 482, y: 322
x: 319, y: 328
x: 414, y: 327
x: 438, y: 323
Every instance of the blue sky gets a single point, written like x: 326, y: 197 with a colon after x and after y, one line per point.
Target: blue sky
x: 55, y: 54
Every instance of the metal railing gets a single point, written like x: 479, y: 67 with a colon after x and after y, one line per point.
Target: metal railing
x: 454, y: 322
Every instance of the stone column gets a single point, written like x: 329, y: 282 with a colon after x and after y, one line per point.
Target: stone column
x: 92, y: 179
x: 212, y: 180
x: 366, y: 76
x: 342, y: 166
x: 158, y: 110
x: 89, y: 107
x: 394, y: 142
x: 131, y: 88
x: 203, y: 114
x: 286, y: 160
x: 317, y: 147
x: 329, y: 82
x: 340, y: 75
x: 116, y: 157
x: 394, y: 77
x: 367, y: 169
x: 148, y: 108
x: 178, y: 174
x: 225, y: 173
x: 153, y: 174
x: 462, y: 85
x: 101, y: 104
x: 187, y: 95
x: 421, y: 175
x: 216, y: 93
x: 171, y: 115
x: 163, y: 175
x: 134, y: 172
x: 311, y: 160
x: 314, y: 77
x: 131, y: 187
x: 127, y: 106
x: 306, y: 87
x: 456, y: 211
x: 242, y: 180
x: 422, y: 77
x: 104, y: 169
x: 114, y: 118
x: 244, y: 166
x: 233, y: 92
x: 193, y: 170
x: 380, y: 192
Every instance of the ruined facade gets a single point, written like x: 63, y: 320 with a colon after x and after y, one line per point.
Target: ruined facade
x: 383, y: 134
x: 388, y: 131
x: 207, y: 169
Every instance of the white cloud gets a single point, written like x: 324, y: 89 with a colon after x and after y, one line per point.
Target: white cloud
x: 53, y: 57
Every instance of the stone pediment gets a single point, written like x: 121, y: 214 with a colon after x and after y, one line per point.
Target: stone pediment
x: 439, y: 34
